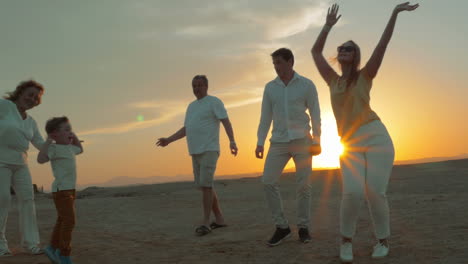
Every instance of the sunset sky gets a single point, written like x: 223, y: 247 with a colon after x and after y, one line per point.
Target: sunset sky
x: 122, y: 70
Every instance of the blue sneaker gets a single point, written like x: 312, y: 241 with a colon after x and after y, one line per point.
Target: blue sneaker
x: 65, y: 260
x: 51, y: 253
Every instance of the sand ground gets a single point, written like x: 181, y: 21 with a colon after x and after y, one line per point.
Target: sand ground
x: 155, y: 223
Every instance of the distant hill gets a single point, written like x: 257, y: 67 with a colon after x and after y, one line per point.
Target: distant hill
x: 126, y: 180
x: 433, y: 159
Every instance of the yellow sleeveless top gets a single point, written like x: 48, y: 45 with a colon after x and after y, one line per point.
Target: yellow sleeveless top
x: 351, y: 105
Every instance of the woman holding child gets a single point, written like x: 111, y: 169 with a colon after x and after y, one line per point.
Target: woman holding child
x: 17, y: 130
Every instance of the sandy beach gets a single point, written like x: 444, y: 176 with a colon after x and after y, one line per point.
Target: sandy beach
x: 155, y: 223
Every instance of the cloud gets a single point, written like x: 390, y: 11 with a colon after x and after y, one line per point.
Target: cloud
x: 232, y: 98
x: 297, y: 23
x: 198, y: 30
x: 245, y: 102
x: 237, y: 20
x: 233, y: 32
x: 131, y: 126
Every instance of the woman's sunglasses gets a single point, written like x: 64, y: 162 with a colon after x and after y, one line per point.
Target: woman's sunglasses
x: 345, y: 48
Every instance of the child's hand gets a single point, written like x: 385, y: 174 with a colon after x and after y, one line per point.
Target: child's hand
x: 75, y: 138
x: 49, y: 140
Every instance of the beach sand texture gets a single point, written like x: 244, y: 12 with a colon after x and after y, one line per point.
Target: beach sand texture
x: 156, y: 223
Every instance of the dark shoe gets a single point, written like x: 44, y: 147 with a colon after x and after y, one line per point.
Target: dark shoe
x: 279, y: 235
x: 304, y: 236
x: 215, y: 225
x: 202, y: 230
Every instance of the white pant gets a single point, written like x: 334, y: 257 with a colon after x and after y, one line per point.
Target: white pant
x: 278, y: 156
x: 20, y: 178
x: 366, y: 166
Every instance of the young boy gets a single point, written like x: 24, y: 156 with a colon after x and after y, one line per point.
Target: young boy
x: 62, y: 158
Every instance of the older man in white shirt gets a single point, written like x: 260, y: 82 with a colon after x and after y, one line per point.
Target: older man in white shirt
x: 285, y: 101
x: 201, y: 127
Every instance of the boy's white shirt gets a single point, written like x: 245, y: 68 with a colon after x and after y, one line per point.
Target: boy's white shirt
x: 63, y: 162
x: 202, y: 124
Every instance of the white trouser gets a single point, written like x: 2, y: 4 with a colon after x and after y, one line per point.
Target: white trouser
x: 366, y: 166
x: 20, y: 178
x: 278, y: 156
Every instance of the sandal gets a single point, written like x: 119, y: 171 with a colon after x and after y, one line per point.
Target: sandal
x: 215, y: 225
x: 202, y: 230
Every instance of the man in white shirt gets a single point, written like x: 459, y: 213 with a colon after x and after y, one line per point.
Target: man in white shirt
x: 285, y: 101
x: 201, y: 127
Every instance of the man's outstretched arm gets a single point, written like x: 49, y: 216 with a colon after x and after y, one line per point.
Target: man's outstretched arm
x: 162, y: 142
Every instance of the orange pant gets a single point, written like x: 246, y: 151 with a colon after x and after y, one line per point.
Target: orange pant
x: 61, y: 236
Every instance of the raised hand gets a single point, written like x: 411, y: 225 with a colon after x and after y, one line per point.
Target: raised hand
x: 332, y: 15
x: 405, y: 7
x: 49, y: 139
x: 75, y: 139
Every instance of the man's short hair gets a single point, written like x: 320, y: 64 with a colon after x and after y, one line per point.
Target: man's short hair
x: 284, y: 53
x: 54, y: 123
x: 201, y: 77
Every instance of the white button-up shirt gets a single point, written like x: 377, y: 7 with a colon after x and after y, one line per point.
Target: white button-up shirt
x: 286, y: 106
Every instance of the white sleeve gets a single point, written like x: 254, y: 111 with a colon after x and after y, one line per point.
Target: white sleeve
x: 76, y: 149
x: 314, y: 110
x: 37, y: 139
x: 51, y: 152
x: 4, y: 108
x: 265, y: 119
x: 219, y: 109
x: 186, y: 116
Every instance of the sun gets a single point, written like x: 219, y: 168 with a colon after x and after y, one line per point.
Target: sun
x: 331, y: 145
x: 331, y: 151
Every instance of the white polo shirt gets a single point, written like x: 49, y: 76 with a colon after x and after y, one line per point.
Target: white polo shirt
x: 63, y: 162
x: 15, y: 134
x: 286, y: 106
x: 202, y: 124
